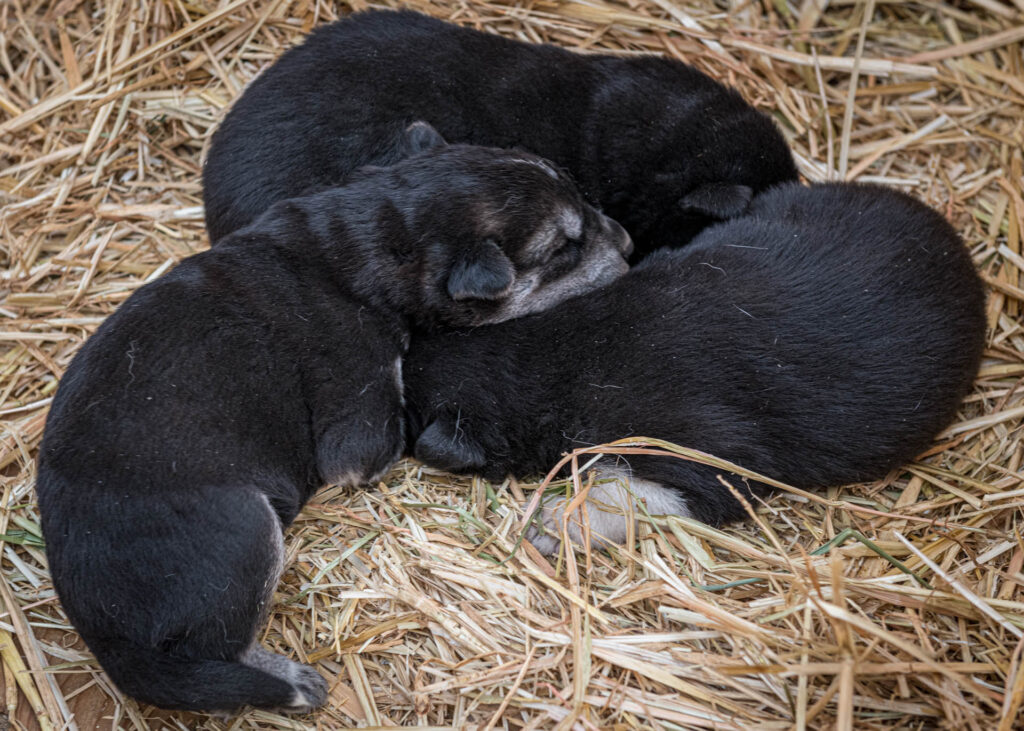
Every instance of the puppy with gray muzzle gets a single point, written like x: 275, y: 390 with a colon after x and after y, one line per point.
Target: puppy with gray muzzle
x: 823, y: 339
x: 191, y: 428
x: 659, y: 146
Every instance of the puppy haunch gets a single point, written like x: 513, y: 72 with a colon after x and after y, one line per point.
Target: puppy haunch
x: 823, y: 339
x: 661, y: 147
x: 196, y: 422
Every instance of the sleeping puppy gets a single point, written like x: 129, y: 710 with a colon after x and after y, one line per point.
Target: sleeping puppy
x: 823, y: 339
x: 196, y: 422
x: 659, y: 146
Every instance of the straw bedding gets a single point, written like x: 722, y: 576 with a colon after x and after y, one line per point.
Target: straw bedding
x: 897, y: 604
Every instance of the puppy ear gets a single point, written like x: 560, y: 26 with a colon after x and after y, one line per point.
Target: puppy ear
x: 718, y: 200
x: 420, y: 137
x: 483, y: 272
x: 444, y: 446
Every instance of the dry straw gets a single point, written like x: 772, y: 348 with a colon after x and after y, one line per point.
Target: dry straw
x: 897, y: 604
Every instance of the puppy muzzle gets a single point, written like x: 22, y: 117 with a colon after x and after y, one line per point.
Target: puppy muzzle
x: 618, y: 235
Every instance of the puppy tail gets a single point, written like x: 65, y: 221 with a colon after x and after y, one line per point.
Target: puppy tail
x: 257, y: 678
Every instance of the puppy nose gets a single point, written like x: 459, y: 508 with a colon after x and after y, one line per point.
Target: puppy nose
x: 623, y: 242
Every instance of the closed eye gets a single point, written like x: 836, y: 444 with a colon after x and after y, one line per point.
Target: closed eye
x: 569, y: 244
x: 566, y: 257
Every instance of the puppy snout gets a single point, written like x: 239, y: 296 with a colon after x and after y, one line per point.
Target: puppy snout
x: 619, y: 235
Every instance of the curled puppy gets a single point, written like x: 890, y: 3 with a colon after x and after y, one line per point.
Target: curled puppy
x: 196, y: 422
x: 658, y: 145
x: 823, y: 339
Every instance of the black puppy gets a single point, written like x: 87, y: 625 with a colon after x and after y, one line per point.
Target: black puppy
x: 661, y: 147
x: 823, y: 339
x: 191, y: 428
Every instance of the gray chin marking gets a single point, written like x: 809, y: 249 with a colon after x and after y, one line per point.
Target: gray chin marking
x: 611, y: 503
x: 528, y: 296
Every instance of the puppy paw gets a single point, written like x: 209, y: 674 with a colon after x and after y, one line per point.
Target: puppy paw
x: 445, y: 445
x: 544, y: 537
x: 611, y: 503
x: 355, y: 456
x: 545, y: 532
x: 310, y: 689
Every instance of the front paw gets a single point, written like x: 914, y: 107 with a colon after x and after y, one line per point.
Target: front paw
x: 355, y: 455
x: 444, y: 444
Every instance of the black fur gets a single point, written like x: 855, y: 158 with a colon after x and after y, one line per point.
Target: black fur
x: 191, y: 428
x: 661, y: 147
x: 822, y: 339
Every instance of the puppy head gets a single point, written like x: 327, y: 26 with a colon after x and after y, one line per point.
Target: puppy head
x: 499, y: 234
x: 488, y: 233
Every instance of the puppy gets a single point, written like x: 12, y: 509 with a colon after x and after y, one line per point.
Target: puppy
x: 823, y: 339
x: 191, y: 428
x: 659, y: 146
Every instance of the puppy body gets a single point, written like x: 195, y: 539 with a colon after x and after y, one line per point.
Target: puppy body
x: 661, y: 147
x: 823, y: 339
x: 191, y: 428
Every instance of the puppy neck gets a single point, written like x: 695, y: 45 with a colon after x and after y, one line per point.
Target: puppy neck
x: 352, y: 235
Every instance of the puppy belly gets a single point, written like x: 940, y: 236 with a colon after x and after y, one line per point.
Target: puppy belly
x: 615, y: 499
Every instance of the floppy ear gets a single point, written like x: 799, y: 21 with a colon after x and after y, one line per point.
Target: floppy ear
x: 483, y: 272
x: 420, y: 137
x: 718, y: 200
x: 443, y: 446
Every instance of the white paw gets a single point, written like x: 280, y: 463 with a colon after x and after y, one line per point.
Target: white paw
x: 310, y: 689
x: 612, y: 502
x: 309, y: 685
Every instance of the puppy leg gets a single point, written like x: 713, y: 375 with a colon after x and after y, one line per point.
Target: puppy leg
x: 310, y: 688
x: 177, y: 625
x: 610, y: 503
